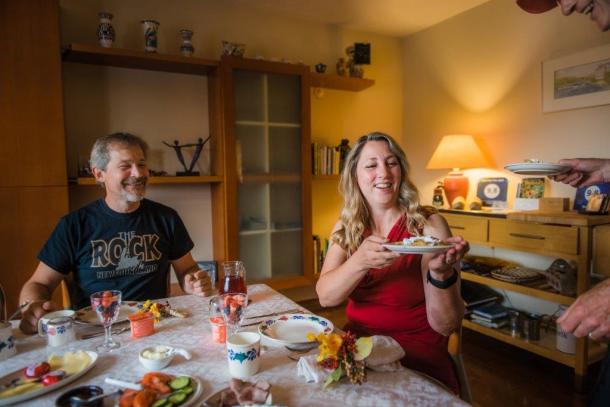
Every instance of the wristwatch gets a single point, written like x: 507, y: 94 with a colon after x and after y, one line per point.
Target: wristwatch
x: 442, y: 284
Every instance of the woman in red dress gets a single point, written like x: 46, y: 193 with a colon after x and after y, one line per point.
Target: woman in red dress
x: 413, y: 298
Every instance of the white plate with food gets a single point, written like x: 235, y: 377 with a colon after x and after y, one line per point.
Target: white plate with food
x: 89, y: 315
x: 418, y: 245
x: 16, y: 387
x: 537, y: 168
x: 216, y: 399
x: 174, y: 390
x: 291, y: 330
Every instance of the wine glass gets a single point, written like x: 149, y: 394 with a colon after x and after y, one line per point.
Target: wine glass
x: 233, y: 310
x: 233, y: 278
x: 107, y: 305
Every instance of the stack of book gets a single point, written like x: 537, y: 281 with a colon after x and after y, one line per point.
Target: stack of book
x: 490, y: 315
x: 476, y: 295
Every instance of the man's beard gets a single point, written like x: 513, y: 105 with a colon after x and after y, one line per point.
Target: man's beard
x: 131, y: 197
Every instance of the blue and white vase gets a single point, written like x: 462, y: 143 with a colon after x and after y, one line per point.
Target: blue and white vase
x: 186, y: 48
x: 151, y: 27
x: 105, y: 31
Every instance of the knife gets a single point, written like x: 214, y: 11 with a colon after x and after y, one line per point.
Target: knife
x: 274, y: 314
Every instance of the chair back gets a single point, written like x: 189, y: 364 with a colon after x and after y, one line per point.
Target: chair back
x: 3, y: 304
x: 454, y: 347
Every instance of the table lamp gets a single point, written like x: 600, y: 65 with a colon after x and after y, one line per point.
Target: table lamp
x: 456, y: 151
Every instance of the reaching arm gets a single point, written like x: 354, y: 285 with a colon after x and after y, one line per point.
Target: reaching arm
x: 584, y: 172
x: 444, y: 307
x: 341, y: 274
x: 37, y: 292
x: 192, y: 280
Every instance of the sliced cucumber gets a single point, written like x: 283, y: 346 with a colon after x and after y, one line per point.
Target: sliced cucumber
x: 177, y: 398
x: 187, y: 390
x: 159, y: 403
x: 180, y: 382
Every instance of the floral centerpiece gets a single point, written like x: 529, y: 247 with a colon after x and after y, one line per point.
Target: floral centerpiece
x: 342, y: 354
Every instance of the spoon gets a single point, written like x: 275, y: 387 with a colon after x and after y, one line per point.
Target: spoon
x: 18, y: 311
x: 77, y: 400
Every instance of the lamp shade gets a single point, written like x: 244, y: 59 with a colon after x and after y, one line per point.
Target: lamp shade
x: 457, y: 151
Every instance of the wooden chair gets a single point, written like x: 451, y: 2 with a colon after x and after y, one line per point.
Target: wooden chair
x: 66, y: 302
x: 454, y: 347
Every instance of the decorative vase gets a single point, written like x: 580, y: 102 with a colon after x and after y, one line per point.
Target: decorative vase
x: 186, y: 49
x: 151, y: 27
x: 105, y: 31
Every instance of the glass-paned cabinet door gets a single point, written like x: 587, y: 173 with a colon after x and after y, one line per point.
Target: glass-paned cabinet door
x: 268, y: 136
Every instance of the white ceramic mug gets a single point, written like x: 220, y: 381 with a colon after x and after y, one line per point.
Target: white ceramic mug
x: 243, y: 354
x: 8, y: 347
x: 44, y: 320
x: 60, y: 331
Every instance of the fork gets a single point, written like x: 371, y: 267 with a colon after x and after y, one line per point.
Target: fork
x: 115, y: 332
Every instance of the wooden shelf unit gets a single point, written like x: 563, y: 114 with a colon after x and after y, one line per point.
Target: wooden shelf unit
x: 564, y: 235
x: 123, y: 58
x: 165, y: 180
x: 336, y: 82
x: 544, y: 347
x: 518, y: 288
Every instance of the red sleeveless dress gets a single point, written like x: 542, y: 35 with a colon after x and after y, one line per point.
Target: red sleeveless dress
x: 390, y: 301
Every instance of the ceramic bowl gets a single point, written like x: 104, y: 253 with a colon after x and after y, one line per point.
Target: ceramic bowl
x: 161, y: 362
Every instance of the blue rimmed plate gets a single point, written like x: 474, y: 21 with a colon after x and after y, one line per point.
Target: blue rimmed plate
x: 291, y: 330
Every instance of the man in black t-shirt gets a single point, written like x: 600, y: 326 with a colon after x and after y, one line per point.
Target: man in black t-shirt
x: 121, y: 242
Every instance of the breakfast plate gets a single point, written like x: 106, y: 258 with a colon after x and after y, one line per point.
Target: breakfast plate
x: 184, y: 390
x: 291, y: 330
x: 400, y: 247
x: 89, y: 315
x: 75, y: 364
x: 215, y: 399
x: 537, y: 168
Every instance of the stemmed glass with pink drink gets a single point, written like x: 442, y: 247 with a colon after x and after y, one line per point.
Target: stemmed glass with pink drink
x: 233, y: 310
x: 107, y: 305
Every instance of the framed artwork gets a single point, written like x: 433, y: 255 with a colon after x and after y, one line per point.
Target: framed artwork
x: 578, y: 80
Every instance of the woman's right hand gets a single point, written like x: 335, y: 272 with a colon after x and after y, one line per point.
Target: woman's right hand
x: 371, y: 254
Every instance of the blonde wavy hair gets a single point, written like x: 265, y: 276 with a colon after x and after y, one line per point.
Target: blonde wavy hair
x: 356, y: 215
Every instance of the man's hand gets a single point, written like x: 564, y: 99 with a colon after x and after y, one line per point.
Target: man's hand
x: 32, y: 313
x: 590, y: 313
x: 584, y: 172
x: 198, y: 283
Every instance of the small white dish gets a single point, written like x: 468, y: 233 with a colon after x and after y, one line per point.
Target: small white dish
x: 537, y: 168
x: 158, y: 357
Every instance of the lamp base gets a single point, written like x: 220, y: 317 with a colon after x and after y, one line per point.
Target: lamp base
x: 456, y: 184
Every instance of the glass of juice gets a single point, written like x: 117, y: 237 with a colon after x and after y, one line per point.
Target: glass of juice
x: 232, y: 278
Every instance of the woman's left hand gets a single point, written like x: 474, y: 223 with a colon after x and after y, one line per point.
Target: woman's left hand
x: 441, y: 265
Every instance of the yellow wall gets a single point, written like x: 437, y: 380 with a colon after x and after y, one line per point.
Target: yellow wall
x: 160, y: 106
x: 480, y: 73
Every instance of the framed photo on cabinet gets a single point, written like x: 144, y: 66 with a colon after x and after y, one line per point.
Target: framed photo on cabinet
x: 577, y: 80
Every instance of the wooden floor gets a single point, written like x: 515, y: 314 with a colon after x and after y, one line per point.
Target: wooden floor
x: 499, y: 374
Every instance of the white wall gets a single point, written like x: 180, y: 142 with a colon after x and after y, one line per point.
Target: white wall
x: 480, y: 73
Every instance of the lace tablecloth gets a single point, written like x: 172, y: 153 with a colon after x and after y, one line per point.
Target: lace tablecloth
x: 209, y: 363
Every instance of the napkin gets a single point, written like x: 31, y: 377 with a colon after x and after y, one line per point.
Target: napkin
x: 385, y: 357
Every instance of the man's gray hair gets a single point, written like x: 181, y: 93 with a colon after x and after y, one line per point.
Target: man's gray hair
x: 100, y: 156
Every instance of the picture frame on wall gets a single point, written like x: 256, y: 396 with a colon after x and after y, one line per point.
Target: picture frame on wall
x: 578, y: 80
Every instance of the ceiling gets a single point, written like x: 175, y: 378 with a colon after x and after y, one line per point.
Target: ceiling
x: 396, y: 18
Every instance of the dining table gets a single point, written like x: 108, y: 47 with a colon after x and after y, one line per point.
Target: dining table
x: 209, y: 361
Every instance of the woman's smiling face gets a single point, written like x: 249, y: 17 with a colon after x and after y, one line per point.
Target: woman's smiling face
x: 379, y: 174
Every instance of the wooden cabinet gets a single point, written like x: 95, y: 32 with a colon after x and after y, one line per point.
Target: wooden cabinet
x: 33, y: 192
x: 566, y: 235
x: 266, y: 131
